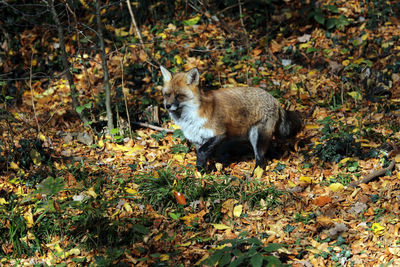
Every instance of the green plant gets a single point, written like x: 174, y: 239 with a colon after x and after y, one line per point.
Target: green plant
x: 336, y: 142
x: 179, y: 148
x: 157, y: 190
x: 306, y: 219
x: 244, y: 252
x: 326, y: 15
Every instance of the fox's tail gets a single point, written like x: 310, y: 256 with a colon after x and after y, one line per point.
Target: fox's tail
x: 290, y: 123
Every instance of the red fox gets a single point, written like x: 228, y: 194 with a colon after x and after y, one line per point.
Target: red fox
x: 208, y: 118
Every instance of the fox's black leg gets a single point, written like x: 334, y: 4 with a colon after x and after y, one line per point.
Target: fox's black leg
x: 259, y: 138
x: 204, y: 151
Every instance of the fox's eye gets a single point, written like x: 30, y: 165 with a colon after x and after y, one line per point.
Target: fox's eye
x: 180, y: 96
x: 167, y: 94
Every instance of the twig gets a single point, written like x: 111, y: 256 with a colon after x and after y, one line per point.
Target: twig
x: 230, y: 7
x: 374, y: 175
x: 224, y: 25
x: 241, y: 16
x: 79, y: 47
x: 123, y: 92
x: 33, y: 102
x: 311, y: 111
x: 128, y: 3
x: 150, y: 126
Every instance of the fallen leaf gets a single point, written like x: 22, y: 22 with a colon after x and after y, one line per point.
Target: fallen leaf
x: 220, y: 226
x: 180, y: 198
x: 237, y: 210
x: 258, y: 172
x: 306, y: 179
x: 322, y: 200
x: 377, y: 229
x: 304, y: 38
x: 335, y: 187
x: 29, y: 218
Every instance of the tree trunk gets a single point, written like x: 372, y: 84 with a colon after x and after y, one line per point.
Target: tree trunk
x: 66, y: 65
x: 107, y: 86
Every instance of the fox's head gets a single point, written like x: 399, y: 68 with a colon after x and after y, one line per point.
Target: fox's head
x: 181, y: 89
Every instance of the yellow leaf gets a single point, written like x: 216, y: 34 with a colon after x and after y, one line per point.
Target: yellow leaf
x: 137, y: 148
x: 128, y: 207
x: 20, y: 191
x: 35, y: 156
x: 42, y: 137
x: 178, y: 59
x: 237, y: 210
x: 179, y: 157
x: 174, y: 126
x: 378, y: 229
x: 3, y: 201
x: 130, y: 191
x: 162, y: 35
x: 220, y: 226
x: 192, y: 21
x: 305, y: 45
x: 186, y: 244
x: 345, y: 62
x: 312, y: 126
x: 157, y: 237
x: 14, y: 166
x: 58, y: 248
x: 29, y: 218
x: 100, y: 143
x: 364, y: 37
x: 306, y: 179
x: 291, y: 184
x: 228, y: 204
x: 335, y: 187
x: 358, y: 61
x: 91, y: 192
x: 397, y: 158
x: 74, y: 251
x: 258, y: 172
x: 232, y: 81
x: 189, y: 218
x: 312, y: 72
x: 355, y: 94
x: 120, y: 32
x: 164, y: 257
x: 238, y: 66
x: 343, y: 161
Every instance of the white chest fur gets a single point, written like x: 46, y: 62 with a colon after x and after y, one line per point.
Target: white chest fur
x: 192, y: 125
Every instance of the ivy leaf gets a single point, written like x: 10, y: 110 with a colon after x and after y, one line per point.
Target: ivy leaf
x: 319, y: 17
x: 257, y: 260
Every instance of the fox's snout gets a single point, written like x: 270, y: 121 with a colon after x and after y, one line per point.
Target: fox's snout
x: 171, y: 106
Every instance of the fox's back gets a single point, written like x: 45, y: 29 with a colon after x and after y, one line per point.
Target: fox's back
x: 236, y: 109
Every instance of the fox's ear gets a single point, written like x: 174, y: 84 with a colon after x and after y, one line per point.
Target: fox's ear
x: 193, y: 76
x: 167, y: 76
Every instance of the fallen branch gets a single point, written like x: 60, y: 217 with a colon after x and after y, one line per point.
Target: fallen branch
x: 150, y: 126
x: 373, y: 175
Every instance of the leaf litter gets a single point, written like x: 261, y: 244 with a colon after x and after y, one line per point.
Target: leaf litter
x: 146, y: 187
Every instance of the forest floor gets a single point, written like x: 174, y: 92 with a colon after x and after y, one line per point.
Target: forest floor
x: 71, y: 197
